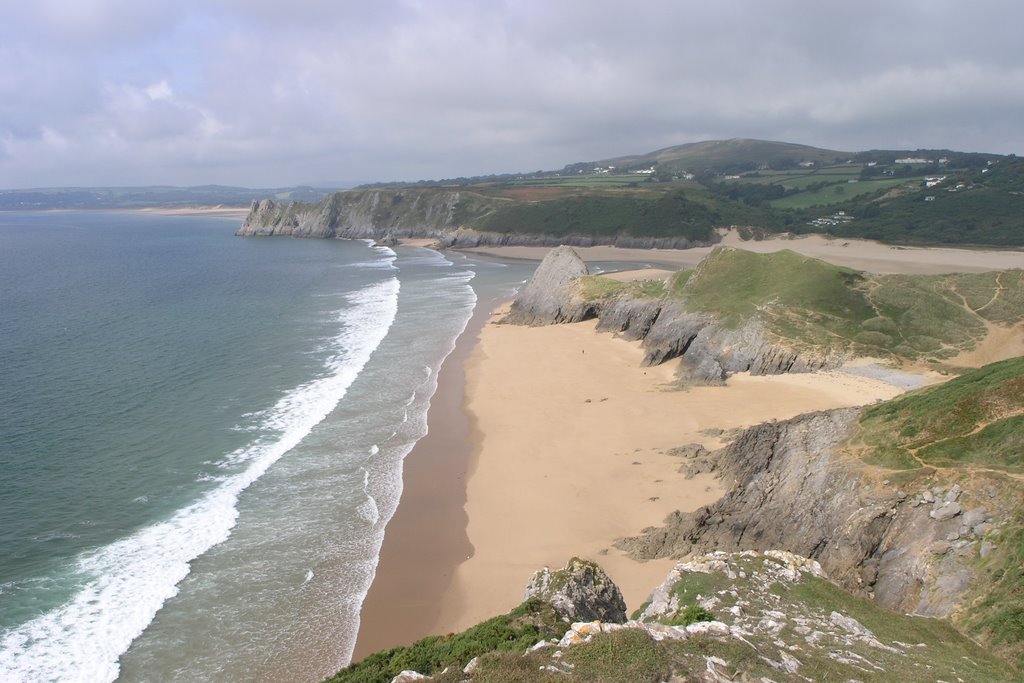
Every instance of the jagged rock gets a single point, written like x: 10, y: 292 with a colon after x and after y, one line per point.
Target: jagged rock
x: 690, y: 451
x: 409, y: 677
x: 954, y: 493
x: 551, y: 295
x: 630, y: 318
x: 861, y: 536
x: 580, y: 592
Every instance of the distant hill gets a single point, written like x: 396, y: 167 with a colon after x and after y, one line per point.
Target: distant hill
x: 721, y: 155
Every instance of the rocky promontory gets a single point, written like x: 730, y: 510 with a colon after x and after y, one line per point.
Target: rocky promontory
x: 448, y: 216
x: 711, y: 348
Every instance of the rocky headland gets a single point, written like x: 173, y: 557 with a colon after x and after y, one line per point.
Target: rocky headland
x: 445, y: 216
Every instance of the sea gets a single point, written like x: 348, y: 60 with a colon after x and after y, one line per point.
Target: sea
x: 202, y: 437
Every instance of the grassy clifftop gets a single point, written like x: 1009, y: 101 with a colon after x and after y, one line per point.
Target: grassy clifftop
x: 970, y: 430
x: 741, y: 616
x: 809, y: 303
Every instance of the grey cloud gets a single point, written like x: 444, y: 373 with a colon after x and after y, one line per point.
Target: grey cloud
x: 263, y: 92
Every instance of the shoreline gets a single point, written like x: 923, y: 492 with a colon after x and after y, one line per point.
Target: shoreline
x: 426, y: 537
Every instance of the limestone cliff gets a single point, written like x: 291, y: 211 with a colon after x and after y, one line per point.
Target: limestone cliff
x: 720, y: 617
x: 552, y: 295
x: 368, y: 214
x: 442, y: 214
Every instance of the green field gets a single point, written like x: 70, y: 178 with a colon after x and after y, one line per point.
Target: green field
x: 838, y: 193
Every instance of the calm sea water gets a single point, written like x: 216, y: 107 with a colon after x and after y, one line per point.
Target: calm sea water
x: 201, y: 439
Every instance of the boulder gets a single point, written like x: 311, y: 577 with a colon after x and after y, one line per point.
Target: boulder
x: 579, y: 592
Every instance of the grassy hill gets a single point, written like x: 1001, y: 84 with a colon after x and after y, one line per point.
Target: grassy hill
x: 809, y: 303
x: 900, y: 196
x: 721, y: 155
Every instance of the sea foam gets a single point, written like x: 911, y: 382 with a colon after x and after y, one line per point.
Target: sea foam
x: 125, y: 583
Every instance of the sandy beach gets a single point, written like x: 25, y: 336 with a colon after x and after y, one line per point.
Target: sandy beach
x: 565, y: 451
x: 571, y: 446
x: 220, y: 211
x: 868, y: 255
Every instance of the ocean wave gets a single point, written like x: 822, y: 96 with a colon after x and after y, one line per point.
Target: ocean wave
x: 126, y: 582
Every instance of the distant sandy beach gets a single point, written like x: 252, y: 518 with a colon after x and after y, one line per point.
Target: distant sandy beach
x: 225, y: 212
x: 868, y: 255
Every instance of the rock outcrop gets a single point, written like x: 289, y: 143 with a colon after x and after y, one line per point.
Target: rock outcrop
x: 710, y: 350
x: 792, y: 488
x: 719, y: 617
x: 552, y: 294
x: 579, y: 592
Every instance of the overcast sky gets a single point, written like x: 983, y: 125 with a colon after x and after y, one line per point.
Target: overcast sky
x: 267, y: 93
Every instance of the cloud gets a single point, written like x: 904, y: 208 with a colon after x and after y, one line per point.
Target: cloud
x: 263, y: 92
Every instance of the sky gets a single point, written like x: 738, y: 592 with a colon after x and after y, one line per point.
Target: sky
x: 273, y: 93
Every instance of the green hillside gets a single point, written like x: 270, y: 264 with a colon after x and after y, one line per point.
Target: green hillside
x: 975, y: 420
x: 969, y: 427
x: 813, y: 304
x: 721, y: 155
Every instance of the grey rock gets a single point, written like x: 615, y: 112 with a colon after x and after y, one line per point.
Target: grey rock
x: 580, y: 592
x: 975, y: 516
x: 986, y: 549
x: 982, y: 529
x: 954, y: 493
x: 945, y: 511
x: 551, y: 296
x: 689, y: 451
x: 862, y: 538
x: 928, y: 497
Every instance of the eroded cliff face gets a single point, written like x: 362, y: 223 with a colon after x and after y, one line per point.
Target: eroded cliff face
x: 793, y: 487
x: 551, y: 296
x: 368, y: 214
x: 710, y: 350
x: 443, y: 215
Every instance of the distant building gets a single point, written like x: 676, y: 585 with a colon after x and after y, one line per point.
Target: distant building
x: 913, y: 160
